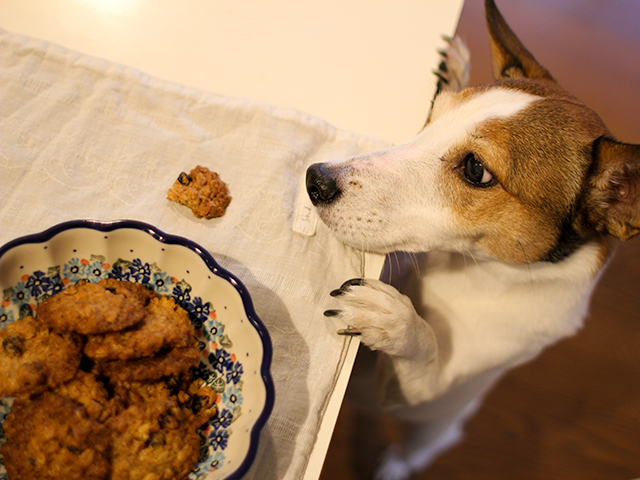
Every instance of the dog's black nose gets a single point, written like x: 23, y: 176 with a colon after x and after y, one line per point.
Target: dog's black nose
x: 321, y: 186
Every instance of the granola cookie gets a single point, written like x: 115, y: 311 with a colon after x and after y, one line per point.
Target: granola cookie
x: 50, y: 437
x: 200, y: 398
x: 189, y: 391
x: 138, y: 290
x: 33, y: 358
x: 175, y: 362
x: 93, y: 308
x: 155, y: 439
x: 91, y: 393
x: 202, y: 191
x: 164, y: 325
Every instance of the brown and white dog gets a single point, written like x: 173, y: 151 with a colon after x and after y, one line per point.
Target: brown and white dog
x: 510, y: 201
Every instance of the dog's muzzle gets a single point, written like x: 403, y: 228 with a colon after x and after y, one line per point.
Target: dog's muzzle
x: 321, y: 186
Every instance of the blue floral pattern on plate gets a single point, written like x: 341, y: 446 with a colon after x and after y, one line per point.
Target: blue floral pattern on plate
x: 219, y: 365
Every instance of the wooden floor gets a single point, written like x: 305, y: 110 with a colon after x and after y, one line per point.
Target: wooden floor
x: 574, y: 412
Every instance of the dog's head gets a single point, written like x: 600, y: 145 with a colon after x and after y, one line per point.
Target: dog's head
x: 519, y: 170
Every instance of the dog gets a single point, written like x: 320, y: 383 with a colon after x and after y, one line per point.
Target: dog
x: 505, y: 209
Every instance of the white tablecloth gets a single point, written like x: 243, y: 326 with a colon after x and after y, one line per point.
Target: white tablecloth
x: 86, y: 138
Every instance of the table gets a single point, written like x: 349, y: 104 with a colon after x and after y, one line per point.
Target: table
x: 315, y: 59
x: 360, y: 65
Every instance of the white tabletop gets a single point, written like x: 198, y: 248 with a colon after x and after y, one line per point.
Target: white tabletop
x: 364, y: 66
x: 361, y: 65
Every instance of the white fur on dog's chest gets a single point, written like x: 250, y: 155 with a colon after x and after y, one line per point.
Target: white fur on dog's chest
x: 489, y: 314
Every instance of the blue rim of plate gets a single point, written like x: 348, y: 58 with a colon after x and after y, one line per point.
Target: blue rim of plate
x: 207, y: 258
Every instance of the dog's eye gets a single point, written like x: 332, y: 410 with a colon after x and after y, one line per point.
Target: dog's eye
x: 475, y: 173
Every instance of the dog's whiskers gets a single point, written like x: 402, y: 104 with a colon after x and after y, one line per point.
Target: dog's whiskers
x: 396, y: 257
x: 415, y: 263
x: 464, y: 259
x: 466, y: 250
x: 475, y: 261
x: 528, y: 265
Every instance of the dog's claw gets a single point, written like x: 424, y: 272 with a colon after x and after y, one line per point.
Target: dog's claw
x: 453, y: 71
x: 438, y: 73
x: 349, y: 331
x: 353, y: 332
x: 346, y: 285
x: 353, y: 282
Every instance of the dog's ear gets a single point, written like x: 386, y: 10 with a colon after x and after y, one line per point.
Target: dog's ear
x: 615, y: 192
x: 510, y: 58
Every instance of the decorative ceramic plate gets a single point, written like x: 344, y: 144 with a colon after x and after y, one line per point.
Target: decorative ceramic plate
x: 235, y: 345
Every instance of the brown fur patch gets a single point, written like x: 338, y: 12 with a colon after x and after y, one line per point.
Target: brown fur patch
x: 541, y: 158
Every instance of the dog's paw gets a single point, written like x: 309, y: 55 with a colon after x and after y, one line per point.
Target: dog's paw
x: 400, y: 462
x: 392, y: 466
x: 453, y: 71
x: 382, y: 317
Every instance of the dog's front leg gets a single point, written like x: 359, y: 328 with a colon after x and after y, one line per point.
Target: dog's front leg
x: 386, y: 321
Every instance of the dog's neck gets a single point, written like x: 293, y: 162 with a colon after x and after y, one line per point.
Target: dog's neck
x: 522, y: 308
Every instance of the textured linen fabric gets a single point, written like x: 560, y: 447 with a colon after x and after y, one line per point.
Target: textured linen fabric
x: 83, y: 138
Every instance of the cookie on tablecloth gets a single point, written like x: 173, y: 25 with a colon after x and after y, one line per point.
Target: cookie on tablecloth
x: 202, y: 191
